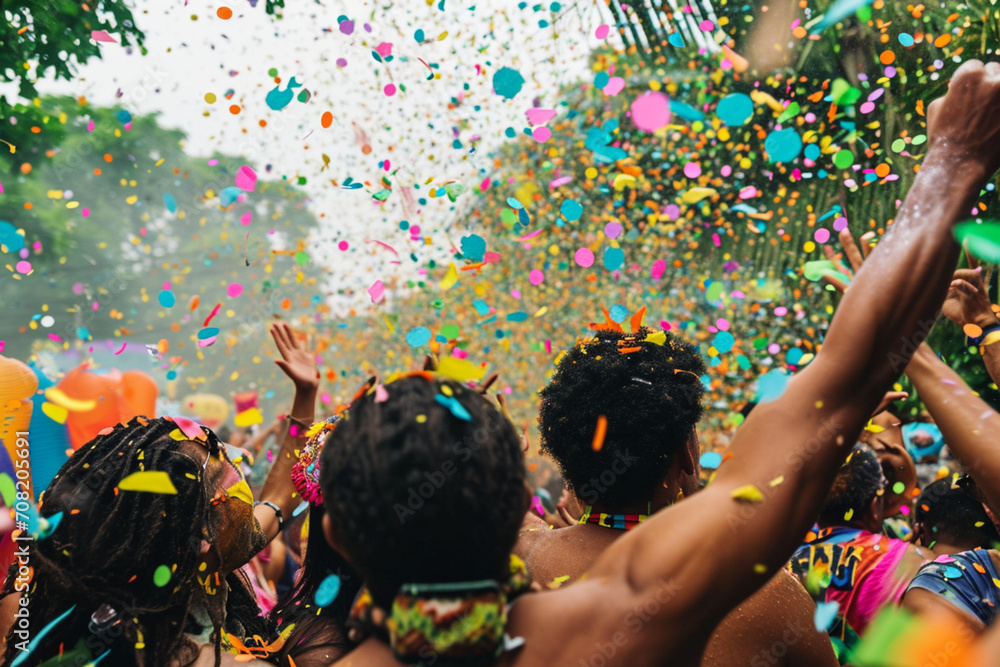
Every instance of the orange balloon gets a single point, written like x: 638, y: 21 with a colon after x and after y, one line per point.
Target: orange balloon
x: 17, y: 384
x: 82, y: 385
x: 138, y: 395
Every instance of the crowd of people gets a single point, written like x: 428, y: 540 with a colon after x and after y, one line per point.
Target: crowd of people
x: 401, y: 530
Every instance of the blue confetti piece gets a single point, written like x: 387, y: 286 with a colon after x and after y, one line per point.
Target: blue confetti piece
x: 710, y: 460
x: 229, y: 195
x: 783, y: 145
x: 618, y: 313
x: 507, y: 82
x: 825, y: 615
x: 457, y: 409
x: 840, y: 10
x: 327, y: 591
x: 686, y: 111
x: 10, y: 238
x: 771, y: 385
x: 735, y: 110
x: 170, y: 202
x: 514, y: 204
x: 481, y: 307
x: 124, y: 116
x: 571, y: 209
x: 208, y: 332
x: 675, y: 39
x: 952, y: 573
x: 518, y: 316
x: 522, y: 217
x: 723, y: 341
x: 473, y: 247
x: 418, y: 336
x: 613, y: 258
x: 167, y: 299
x: 36, y: 640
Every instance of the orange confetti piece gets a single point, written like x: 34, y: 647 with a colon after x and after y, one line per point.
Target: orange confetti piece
x: 224, y: 13
x: 599, y: 433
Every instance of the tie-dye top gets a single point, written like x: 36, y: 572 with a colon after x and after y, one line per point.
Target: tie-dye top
x: 853, y: 568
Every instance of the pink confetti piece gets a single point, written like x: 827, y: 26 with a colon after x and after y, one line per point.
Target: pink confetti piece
x: 381, y: 395
x: 530, y: 235
x: 384, y: 245
x: 562, y: 180
x: 602, y: 31
x: 245, y: 218
x: 539, y: 116
x: 233, y: 290
x: 102, y: 36
x: 53, y: 337
x: 651, y: 111
x: 659, y: 267
x: 376, y: 291
x: 124, y: 345
x: 615, y: 86
x: 189, y: 427
x: 491, y: 258
x: 246, y: 178
x: 541, y: 134
x: 215, y: 311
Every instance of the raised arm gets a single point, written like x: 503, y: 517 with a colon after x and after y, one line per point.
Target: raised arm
x: 968, y: 302
x: 729, y: 539
x: 969, y: 425
x: 299, y: 364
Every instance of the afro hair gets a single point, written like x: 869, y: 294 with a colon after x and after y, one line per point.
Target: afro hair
x: 649, y: 393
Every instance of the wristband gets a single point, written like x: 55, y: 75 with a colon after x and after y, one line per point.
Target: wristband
x: 989, y: 339
x: 277, y: 512
x: 978, y: 340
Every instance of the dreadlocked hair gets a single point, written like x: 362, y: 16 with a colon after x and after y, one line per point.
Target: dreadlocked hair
x: 651, y: 398
x: 316, y: 631
x: 418, y: 494
x: 109, y: 543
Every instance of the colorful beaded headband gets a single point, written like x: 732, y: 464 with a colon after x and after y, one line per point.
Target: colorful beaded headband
x: 305, y: 471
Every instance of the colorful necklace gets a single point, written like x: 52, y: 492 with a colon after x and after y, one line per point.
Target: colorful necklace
x: 616, y: 521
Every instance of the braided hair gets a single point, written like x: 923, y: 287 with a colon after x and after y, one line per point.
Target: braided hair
x: 112, y: 548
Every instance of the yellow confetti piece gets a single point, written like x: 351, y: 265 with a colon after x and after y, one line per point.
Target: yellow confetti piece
x: 760, y: 568
x: 56, y: 395
x: 460, y: 370
x: 240, y: 491
x: 558, y: 581
x: 748, y: 493
x: 56, y: 413
x: 656, y: 338
x: 848, y: 514
x: 874, y: 428
x: 776, y: 481
x: 695, y: 195
x: 450, y: 278
x: 152, y: 481
x: 248, y: 418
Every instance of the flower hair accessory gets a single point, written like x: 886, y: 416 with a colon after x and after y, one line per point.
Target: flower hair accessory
x: 305, y: 472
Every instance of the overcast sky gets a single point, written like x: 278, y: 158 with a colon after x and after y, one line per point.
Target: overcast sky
x: 192, y: 52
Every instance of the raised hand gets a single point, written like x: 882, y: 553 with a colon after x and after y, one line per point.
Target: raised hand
x: 966, y: 122
x: 297, y: 361
x: 855, y: 256
x: 967, y: 301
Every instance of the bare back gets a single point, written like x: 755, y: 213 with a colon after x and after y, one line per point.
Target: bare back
x: 772, y: 627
